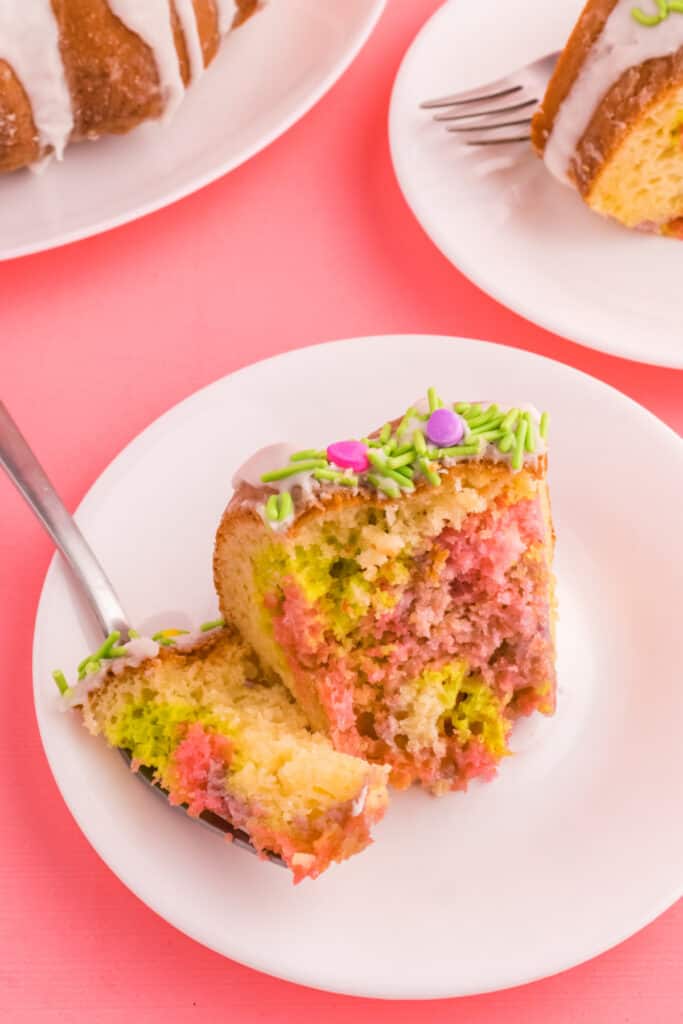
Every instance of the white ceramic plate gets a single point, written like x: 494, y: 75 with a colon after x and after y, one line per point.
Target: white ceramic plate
x: 267, y: 75
x: 502, y: 219
x: 576, y: 845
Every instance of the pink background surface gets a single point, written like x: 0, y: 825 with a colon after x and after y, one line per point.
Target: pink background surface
x: 307, y: 242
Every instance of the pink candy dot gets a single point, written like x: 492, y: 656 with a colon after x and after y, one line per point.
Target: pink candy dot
x: 349, y: 455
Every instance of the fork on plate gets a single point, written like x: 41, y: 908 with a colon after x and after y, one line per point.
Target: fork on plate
x: 499, y: 112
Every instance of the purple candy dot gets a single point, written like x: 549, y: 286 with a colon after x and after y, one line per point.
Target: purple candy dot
x: 349, y: 455
x: 444, y: 428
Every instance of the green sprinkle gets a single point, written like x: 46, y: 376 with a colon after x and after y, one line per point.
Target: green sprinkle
x: 89, y: 668
x: 406, y: 471
x: 530, y: 439
x: 462, y: 407
x: 510, y: 419
x: 494, y: 423
x: 400, y: 479
x: 410, y: 414
x: 402, y: 449
x: 433, y: 399
x: 473, y: 410
x: 489, y: 435
x: 273, y: 508
x: 419, y: 443
x: 506, y: 443
x: 117, y: 652
x: 165, y: 641
x: 430, y: 473
x: 107, y: 648
x: 460, y: 449
x: 371, y: 442
x: 60, y: 680
x: 385, y: 486
x: 133, y: 634
x: 545, y: 418
x: 286, y: 507
x: 336, y: 477
x: 520, y: 440
x: 402, y: 460
x: 300, y: 467
x: 390, y: 446
x: 385, y: 433
x: 484, y: 417
x: 664, y: 8
x: 306, y: 454
x: 377, y: 461
x: 214, y: 624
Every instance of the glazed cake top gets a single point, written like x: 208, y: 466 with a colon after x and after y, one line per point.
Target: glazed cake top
x: 280, y: 480
x: 629, y: 37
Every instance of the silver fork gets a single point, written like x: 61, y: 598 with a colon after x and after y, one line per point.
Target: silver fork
x: 31, y: 480
x: 499, y: 112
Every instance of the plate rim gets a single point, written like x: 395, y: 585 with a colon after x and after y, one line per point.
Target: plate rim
x: 150, y: 433
x: 375, y: 11
x: 468, y: 270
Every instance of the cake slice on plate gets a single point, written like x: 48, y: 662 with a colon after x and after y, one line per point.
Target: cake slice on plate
x: 612, y: 117
x: 401, y: 585
x: 196, y: 710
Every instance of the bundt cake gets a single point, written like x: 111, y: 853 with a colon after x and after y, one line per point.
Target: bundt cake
x: 612, y: 117
x: 75, y: 69
x: 401, y: 585
x: 196, y: 710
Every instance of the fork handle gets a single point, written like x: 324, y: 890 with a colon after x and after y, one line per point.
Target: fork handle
x: 27, y: 474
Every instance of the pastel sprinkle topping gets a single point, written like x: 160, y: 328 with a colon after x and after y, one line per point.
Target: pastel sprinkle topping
x: 445, y: 428
x: 419, y: 448
x: 349, y: 455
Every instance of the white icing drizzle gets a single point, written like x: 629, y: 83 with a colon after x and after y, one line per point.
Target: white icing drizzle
x: 138, y: 650
x: 188, y: 20
x: 29, y: 43
x: 227, y: 9
x: 151, y: 20
x: 622, y: 44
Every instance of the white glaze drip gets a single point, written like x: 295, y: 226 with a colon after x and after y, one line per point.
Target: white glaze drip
x: 29, y: 43
x: 275, y: 456
x: 188, y: 20
x: 622, y: 44
x: 151, y: 20
x: 227, y: 9
x: 137, y: 650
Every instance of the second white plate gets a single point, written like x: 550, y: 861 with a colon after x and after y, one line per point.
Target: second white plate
x: 576, y: 845
x: 502, y: 219
x: 267, y: 75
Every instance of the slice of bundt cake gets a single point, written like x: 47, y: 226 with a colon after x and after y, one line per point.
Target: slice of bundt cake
x: 401, y: 585
x: 220, y: 739
x: 612, y: 117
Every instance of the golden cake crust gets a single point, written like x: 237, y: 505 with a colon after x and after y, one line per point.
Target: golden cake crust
x: 587, y: 29
x: 111, y: 74
x: 619, y: 110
